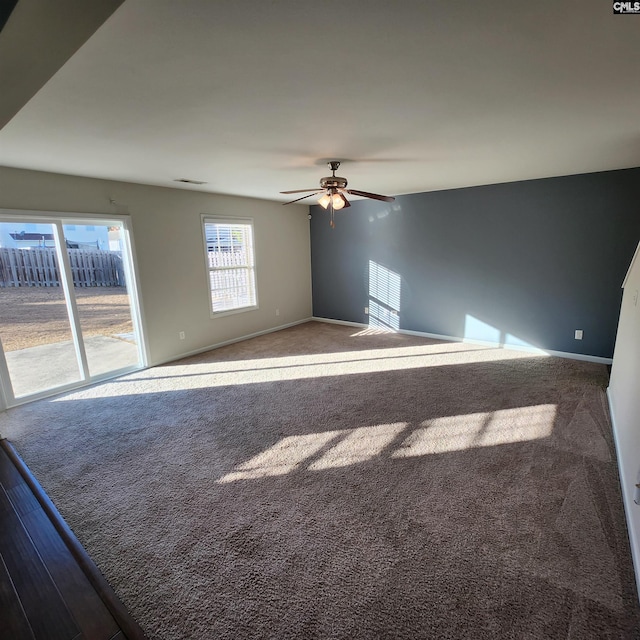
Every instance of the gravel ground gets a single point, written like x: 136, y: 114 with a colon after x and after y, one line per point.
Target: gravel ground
x: 31, y: 316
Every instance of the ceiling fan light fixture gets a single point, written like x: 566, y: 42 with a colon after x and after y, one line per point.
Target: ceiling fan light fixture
x: 338, y: 201
x: 324, y: 200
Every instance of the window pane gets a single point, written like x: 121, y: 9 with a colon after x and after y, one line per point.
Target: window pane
x: 35, y: 329
x: 227, y: 259
x: 231, y: 289
x: 102, y: 298
x: 230, y: 261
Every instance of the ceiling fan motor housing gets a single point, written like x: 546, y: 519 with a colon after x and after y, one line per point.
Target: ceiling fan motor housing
x: 333, y: 182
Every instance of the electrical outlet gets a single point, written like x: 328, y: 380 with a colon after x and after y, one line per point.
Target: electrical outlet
x: 277, y: 312
x: 578, y: 335
x: 181, y: 335
x: 366, y: 311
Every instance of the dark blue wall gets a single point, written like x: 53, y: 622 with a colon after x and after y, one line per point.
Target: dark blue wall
x: 523, y: 262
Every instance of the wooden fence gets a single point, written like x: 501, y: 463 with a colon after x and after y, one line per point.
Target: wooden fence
x: 38, y: 268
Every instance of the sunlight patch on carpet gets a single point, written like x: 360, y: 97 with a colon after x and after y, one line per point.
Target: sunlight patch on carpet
x: 359, y: 445
x: 440, y: 435
x: 196, y: 374
x: 282, y: 458
x: 486, y: 429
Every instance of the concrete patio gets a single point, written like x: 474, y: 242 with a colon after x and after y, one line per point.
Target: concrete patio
x: 37, y: 369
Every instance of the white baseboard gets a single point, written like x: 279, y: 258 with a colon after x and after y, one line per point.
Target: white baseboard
x: 217, y: 345
x: 484, y: 343
x: 627, y: 496
x: 577, y: 356
x: 360, y: 325
x: 346, y: 323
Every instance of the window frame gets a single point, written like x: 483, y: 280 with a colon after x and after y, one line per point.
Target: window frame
x: 230, y: 220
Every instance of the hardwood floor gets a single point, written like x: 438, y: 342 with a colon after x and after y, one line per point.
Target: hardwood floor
x: 49, y: 587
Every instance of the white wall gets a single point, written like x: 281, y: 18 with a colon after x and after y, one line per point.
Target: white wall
x: 170, y: 253
x: 624, y: 401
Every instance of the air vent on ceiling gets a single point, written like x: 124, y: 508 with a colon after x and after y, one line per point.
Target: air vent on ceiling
x: 187, y: 181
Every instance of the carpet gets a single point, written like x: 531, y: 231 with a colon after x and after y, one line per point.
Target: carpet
x: 330, y: 482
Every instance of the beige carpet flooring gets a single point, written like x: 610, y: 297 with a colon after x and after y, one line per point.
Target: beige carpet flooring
x: 327, y: 482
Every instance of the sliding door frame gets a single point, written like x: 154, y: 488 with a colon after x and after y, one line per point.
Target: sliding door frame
x: 4, y: 375
x: 58, y: 219
x: 66, y: 280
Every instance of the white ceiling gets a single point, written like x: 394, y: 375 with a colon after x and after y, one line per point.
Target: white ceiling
x: 254, y: 96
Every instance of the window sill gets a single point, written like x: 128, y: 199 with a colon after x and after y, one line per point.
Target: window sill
x: 231, y: 312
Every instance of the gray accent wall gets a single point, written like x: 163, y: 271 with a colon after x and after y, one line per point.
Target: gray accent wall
x: 518, y: 263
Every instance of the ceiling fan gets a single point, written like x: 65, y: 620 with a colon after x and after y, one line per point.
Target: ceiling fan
x: 333, y: 188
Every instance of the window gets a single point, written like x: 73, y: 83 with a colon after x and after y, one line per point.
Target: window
x: 230, y: 264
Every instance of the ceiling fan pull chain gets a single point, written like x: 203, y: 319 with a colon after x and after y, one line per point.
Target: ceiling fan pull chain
x: 331, y: 220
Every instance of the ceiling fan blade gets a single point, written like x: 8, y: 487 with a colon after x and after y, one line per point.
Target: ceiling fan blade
x: 373, y: 196
x: 303, y: 197
x: 301, y: 190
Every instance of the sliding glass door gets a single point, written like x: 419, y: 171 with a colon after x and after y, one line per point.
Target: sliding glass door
x: 102, y: 295
x: 35, y: 327
x: 68, y: 309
